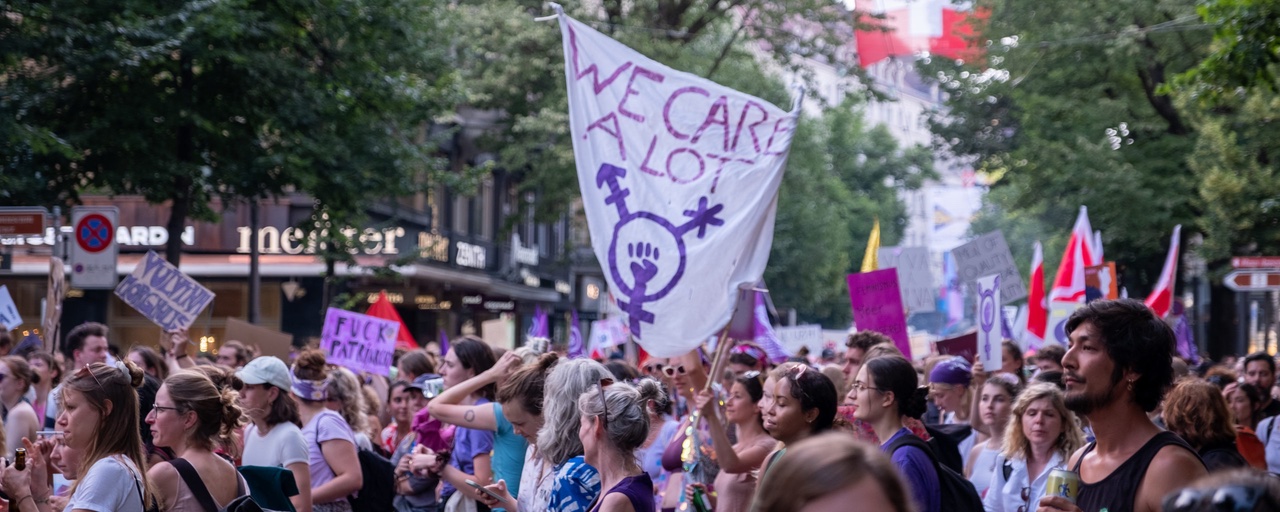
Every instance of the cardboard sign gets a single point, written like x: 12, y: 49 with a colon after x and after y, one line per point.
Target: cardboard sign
x: 499, y: 332
x: 990, y: 321
x: 964, y: 345
x: 362, y: 343
x: 52, y: 320
x: 877, y: 306
x: 9, y: 317
x: 796, y: 337
x: 1100, y: 281
x: 986, y: 255
x: 269, y: 342
x: 1059, y: 312
x: 915, y: 279
x: 163, y: 294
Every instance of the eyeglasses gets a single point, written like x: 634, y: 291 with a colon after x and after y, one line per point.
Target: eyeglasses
x: 604, y: 405
x: 671, y: 371
x: 861, y: 386
x: 1232, y: 498
x: 157, y: 408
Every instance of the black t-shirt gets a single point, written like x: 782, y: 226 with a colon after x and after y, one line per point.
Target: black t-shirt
x: 1271, y: 409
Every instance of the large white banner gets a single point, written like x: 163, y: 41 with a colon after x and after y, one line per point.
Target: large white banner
x: 679, y: 179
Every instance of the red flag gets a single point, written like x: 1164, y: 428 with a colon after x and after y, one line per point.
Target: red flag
x: 1068, y: 284
x: 1037, y: 308
x: 1161, y: 298
x: 383, y: 309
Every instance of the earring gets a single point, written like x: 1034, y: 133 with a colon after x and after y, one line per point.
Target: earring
x: 1131, y: 384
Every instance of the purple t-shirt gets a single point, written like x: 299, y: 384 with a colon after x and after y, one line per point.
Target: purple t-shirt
x: 917, y: 468
x: 324, y: 426
x: 467, y: 445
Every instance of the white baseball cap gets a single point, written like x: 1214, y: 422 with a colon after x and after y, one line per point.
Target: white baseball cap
x: 266, y: 370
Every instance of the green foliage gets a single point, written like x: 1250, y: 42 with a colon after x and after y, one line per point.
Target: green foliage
x: 1246, y: 49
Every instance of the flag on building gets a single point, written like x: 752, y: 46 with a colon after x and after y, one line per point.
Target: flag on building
x: 1161, y: 299
x: 1037, y: 305
x: 870, y: 260
x: 679, y: 179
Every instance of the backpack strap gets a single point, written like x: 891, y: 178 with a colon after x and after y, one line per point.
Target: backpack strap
x: 193, y: 481
x: 1270, y: 426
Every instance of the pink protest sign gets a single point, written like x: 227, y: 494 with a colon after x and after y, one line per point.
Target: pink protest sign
x: 877, y: 306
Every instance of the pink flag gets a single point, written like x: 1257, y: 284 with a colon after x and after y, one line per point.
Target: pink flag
x: 1161, y: 298
x: 1037, y: 308
x: 1068, y: 284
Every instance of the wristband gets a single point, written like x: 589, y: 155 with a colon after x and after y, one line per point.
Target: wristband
x: 18, y: 503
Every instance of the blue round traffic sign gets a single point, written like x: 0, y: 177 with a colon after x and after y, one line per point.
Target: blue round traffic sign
x: 94, y: 232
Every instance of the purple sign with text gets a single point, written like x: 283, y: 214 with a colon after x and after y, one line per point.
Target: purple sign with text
x: 877, y: 306
x: 362, y: 343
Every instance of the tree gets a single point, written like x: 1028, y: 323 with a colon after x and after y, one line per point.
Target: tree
x: 1246, y: 49
x: 242, y: 99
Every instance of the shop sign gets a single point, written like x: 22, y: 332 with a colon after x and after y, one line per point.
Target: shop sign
x: 433, y: 246
x: 471, y: 255
x: 480, y: 301
x: 521, y: 254
x: 291, y: 240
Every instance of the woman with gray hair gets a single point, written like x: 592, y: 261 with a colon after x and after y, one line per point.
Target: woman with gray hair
x: 556, y: 476
x: 615, y: 421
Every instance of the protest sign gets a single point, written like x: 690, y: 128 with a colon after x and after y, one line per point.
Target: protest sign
x: 163, y: 294
x: 986, y: 255
x: 990, y: 320
x: 915, y: 279
x: 9, y: 317
x: 800, y: 336
x: 269, y: 342
x: 499, y: 332
x: 1059, y: 312
x: 51, y: 324
x: 679, y: 179
x: 877, y: 306
x: 964, y: 345
x: 1100, y: 282
x: 362, y: 343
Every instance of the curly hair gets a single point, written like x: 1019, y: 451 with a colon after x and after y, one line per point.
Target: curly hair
x: 217, y: 409
x: 866, y: 339
x: 344, y: 386
x: 1136, y: 341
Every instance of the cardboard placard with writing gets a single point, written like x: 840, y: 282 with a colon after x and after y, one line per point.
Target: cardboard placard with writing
x: 270, y: 342
x: 915, y: 279
x: 163, y: 294
x: 877, y: 306
x: 989, y: 254
x: 362, y: 343
x: 1102, y: 279
x: 52, y: 321
x: 964, y: 345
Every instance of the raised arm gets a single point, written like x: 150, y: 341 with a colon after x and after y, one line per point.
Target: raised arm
x: 730, y: 460
x: 445, y: 406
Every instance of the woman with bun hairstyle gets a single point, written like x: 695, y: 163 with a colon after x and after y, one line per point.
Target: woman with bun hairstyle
x: 615, y: 422
x: 887, y: 389
x: 189, y: 416
x: 99, y: 421
x: 331, y: 445
x: 20, y: 418
x: 834, y: 472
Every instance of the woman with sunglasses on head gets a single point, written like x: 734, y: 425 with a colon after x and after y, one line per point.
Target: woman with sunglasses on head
x: 1040, y: 436
x: 189, y: 414
x: 887, y: 390
x: 615, y: 421
x: 99, y: 420
x: 331, y: 445
x: 801, y: 404
x: 739, y: 462
x: 20, y: 420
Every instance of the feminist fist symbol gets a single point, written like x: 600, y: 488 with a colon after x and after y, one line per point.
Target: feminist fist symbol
x: 647, y: 236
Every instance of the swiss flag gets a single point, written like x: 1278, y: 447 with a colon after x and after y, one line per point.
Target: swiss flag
x: 1037, y: 308
x: 1161, y: 299
x: 1068, y: 284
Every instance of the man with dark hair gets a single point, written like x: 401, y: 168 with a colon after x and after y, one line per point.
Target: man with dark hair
x: 1049, y: 358
x: 1118, y: 365
x: 857, y: 346
x: 1260, y: 370
x: 233, y: 354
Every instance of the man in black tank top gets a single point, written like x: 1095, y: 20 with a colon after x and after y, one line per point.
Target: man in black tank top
x: 1117, y: 367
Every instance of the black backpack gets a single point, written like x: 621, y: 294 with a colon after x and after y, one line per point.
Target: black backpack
x: 958, y: 494
x: 945, y: 441
x: 379, y: 484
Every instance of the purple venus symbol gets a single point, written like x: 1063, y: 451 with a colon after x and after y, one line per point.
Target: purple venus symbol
x: 987, y: 314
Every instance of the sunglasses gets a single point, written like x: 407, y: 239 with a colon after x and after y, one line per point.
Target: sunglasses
x: 604, y: 405
x: 672, y: 371
x: 87, y: 370
x: 653, y: 368
x: 1026, y: 499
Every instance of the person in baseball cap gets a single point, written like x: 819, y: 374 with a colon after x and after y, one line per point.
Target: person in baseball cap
x: 266, y: 370
x: 273, y: 437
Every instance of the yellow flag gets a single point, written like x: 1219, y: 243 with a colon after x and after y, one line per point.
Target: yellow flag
x: 870, y: 261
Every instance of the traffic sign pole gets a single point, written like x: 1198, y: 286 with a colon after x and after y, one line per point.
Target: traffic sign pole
x: 94, y: 251
x: 1253, y: 280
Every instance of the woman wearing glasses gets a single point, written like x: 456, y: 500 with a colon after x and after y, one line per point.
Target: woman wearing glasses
x: 615, y: 421
x: 801, y: 403
x: 189, y: 414
x: 99, y: 420
x: 736, y: 482
x: 886, y: 390
x: 1040, y: 436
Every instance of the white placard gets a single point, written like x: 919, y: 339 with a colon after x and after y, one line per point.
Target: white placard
x: 989, y: 322
x: 9, y: 317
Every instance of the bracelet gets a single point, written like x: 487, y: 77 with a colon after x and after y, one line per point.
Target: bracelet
x: 18, y: 504
x: 44, y: 501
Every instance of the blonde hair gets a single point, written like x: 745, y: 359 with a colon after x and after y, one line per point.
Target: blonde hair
x: 218, y: 412
x: 825, y: 464
x: 1016, y: 444
x: 118, y: 430
x: 344, y: 386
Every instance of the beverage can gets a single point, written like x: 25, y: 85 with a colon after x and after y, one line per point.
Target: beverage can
x: 433, y: 388
x: 1063, y: 483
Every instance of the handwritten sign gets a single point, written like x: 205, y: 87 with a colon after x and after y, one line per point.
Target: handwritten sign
x: 915, y: 279
x: 679, y: 179
x: 877, y: 306
x: 990, y: 321
x: 9, y: 317
x: 986, y: 255
x: 359, y: 342
x: 163, y: 294
x: 794, y: 338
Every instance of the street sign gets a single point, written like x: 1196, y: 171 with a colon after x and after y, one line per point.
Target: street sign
x: 1255, y: 262
x: 94, y: 250
x: 1253, y: 280
x: 22, y: 221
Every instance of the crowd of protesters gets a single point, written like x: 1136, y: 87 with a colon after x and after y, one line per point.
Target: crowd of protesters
x: 478, y: 428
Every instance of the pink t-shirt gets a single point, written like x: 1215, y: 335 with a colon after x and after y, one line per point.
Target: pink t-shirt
x: 324, y: 426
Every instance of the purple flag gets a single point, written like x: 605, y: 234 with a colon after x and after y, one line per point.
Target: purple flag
x: 1186, y: 341
x: 444, y: 342
x: 877, y: 306
x: 539, y: 327
x: 764, y: 335
x: 576, y: 348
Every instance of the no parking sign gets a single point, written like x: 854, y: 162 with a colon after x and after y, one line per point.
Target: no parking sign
x: 93, y: 247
